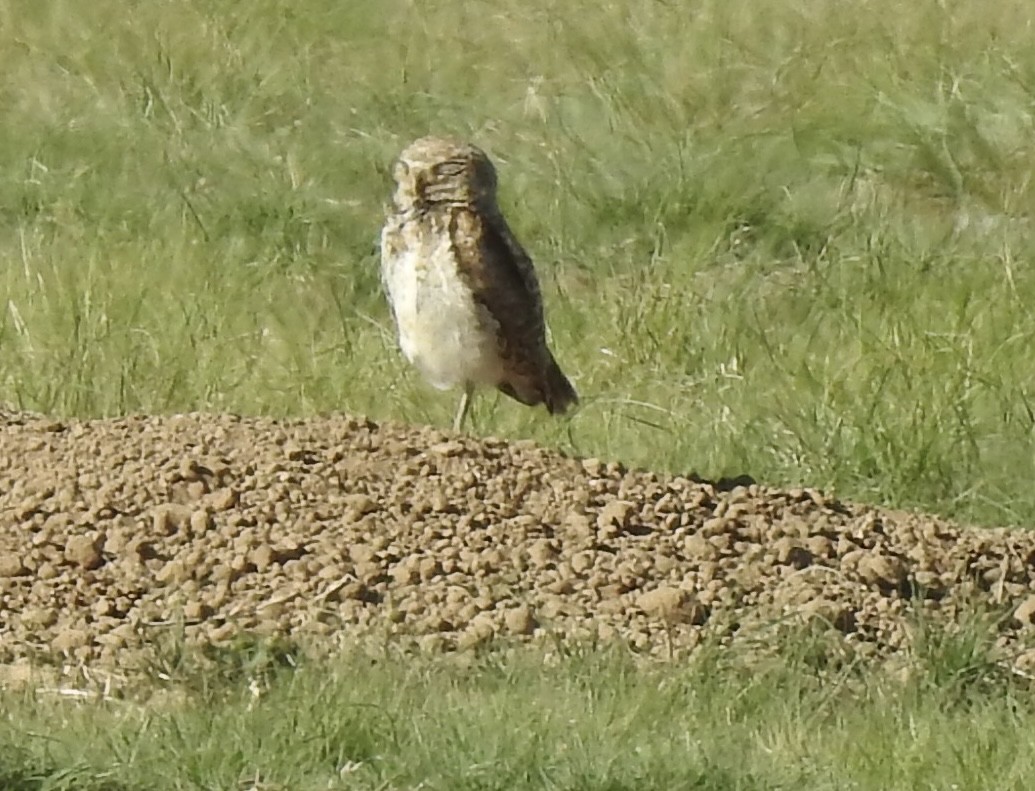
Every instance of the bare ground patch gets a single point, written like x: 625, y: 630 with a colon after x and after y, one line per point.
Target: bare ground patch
x: 113, y: 532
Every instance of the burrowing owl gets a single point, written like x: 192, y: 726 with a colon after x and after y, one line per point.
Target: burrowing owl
x: 463, y: 291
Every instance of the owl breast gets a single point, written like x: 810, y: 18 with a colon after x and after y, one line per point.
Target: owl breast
x: 443, y: 331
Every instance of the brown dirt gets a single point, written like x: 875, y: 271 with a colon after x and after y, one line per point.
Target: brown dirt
x: 113, y: 532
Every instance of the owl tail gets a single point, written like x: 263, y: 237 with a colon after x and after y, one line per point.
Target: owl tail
x: 558, y: 394
x: 547, y: 386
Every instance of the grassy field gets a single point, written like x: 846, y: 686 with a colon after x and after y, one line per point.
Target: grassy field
x: 585, y: 720
x: 788, y: 240
x: 784, y: 239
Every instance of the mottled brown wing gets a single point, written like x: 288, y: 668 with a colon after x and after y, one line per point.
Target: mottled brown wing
x: 503, y: 280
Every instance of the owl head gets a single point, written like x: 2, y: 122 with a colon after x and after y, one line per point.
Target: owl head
x: 440, y: 171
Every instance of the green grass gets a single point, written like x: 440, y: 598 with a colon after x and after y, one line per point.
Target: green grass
x: 789, y: 240
x: 583, y: 720
x: 785, y: 239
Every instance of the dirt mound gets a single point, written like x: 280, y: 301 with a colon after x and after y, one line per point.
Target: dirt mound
x: 112, y: 531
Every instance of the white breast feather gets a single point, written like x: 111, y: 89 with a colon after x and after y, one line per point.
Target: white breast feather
x: 442, y: 330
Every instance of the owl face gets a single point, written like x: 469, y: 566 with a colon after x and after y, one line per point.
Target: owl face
x: 437, y: 171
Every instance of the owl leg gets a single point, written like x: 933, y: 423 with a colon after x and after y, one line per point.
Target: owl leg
x: 465, y: 404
